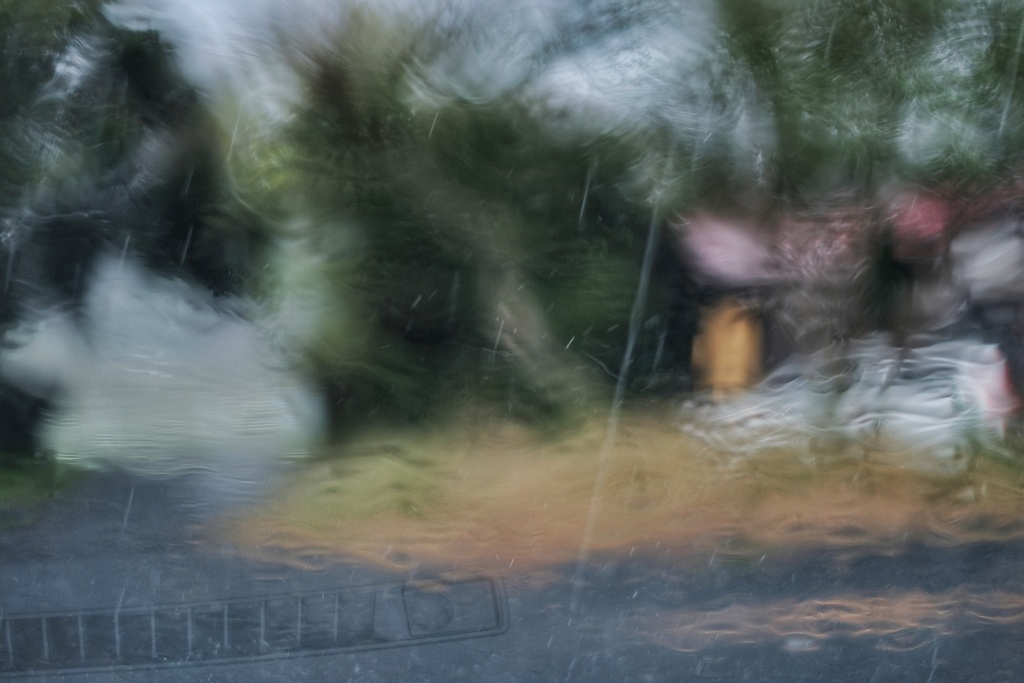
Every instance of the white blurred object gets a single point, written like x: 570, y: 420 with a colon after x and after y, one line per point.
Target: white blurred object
x: 725, y: 251
x: 988, y: 258
x: 925, y: 406
x: 160, y: 378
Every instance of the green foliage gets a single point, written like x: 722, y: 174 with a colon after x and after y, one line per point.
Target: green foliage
x: 25, y: 484
x: 387, y: 231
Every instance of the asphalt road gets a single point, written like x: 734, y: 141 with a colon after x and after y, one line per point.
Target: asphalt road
x: 112, y: 580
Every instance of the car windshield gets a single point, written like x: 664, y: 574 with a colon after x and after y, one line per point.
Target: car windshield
x: 549, y: 340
